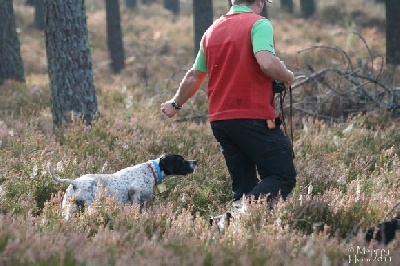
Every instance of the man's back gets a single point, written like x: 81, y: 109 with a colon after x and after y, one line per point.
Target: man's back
x: 237, y: 88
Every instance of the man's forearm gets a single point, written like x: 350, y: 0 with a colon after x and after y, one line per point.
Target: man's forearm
x: 189, y: 86
x: 274, y: 67
x: 279, y: 72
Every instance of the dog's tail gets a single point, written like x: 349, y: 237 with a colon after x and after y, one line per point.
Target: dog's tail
x: 59, y: 180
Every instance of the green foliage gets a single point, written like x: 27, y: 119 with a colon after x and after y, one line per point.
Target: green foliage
x: 38, y: 189
x: 3, y: 242
x: 313, y: 213
x: 18, y: 99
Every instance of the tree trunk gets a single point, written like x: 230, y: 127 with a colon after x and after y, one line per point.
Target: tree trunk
x: 202, y: 19
x: 173, y: 6
x: 287, y: 5
x: 264, y: 11
x: 11, y: 65
x: 131, y: 4
x: 307, y: 8
x: 39, y: 18
x: 69, y: 60
x: 30, y: 2
x: 114, y: 36
x: 147, y: 2
x: 393, y: 32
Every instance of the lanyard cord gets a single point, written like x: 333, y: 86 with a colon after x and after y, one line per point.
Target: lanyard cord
x: 281, y: 100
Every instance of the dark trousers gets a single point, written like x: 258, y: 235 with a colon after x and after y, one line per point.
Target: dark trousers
x: 249, y: 146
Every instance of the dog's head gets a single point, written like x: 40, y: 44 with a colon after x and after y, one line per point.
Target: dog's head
x: 173, y: 164
x: 77, y: 195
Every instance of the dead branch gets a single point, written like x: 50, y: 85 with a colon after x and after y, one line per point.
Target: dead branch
x: 337, y: 91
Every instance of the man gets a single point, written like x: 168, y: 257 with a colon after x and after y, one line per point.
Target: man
x: 238, y: 54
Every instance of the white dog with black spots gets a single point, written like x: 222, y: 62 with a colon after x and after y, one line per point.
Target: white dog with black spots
x: 130, y: 185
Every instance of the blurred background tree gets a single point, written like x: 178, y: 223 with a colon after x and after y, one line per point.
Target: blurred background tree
x: 307, y: 8
x: 131, y: 4
x: 114, y: 36
x: 287, y: 5
x: 173, y: 6
x: 69, y: 61
x: 202, y: 19
x: 264, y: 12
x: 148, y: 2
x: 393, y: 32
x: 39, y: 17
x: 11, y: 65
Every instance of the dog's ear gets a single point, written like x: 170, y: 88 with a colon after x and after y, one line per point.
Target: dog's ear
x: 167, y: 163
x: 167, y: 168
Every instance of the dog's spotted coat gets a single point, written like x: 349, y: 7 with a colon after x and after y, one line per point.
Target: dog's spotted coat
x: 130, y: 185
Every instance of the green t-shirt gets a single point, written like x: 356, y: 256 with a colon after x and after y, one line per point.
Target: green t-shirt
x: 262, y: 38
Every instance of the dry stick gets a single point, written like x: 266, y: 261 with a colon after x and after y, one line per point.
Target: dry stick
x: 370, y: 54
x: 351, y: 77
x: 312, y: 77
x: 374, y: 80
x: 366, y: 46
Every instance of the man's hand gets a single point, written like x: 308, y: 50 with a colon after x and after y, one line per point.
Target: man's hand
x: 274, y: 68
x: 290, y: 74
x: 289, y: 83
x: 167, y: 108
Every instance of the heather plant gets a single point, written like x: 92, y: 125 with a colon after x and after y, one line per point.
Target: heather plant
x: 348, y: 170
